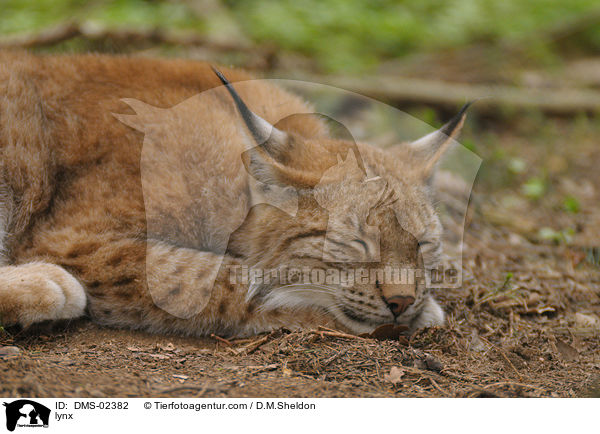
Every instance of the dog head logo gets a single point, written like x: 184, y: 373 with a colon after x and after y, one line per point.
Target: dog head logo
x: 26, y: 413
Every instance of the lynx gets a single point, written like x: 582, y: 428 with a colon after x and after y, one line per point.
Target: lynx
x: 130, y: 188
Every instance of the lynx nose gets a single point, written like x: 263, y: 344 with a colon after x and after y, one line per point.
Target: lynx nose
x: 399, y: 303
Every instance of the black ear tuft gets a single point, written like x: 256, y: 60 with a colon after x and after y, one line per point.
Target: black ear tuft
x: 220, y: 75
x: 430, y: 148
x: 450, y: 126
x: 247, y: 115
x: 261, y: 130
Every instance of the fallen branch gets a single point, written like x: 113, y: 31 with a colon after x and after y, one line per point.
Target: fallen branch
x: 71, y: 30
x: 446, y: 94
x: 388, y: 88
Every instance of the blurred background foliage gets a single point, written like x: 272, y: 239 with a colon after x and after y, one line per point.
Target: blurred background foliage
x: 359, y: 34
x: 339, y: 35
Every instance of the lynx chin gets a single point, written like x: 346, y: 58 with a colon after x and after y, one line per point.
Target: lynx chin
x: 131, y: 187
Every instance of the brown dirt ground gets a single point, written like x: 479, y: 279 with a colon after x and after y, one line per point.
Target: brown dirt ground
x: 533, y: 334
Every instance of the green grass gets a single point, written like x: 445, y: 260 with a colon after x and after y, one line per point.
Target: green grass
x: 22, y: 16
x: 535, y: 188
x: 571, y: 204
x: 341, y: 35
x: 563, y: 236
x: 355, y: 33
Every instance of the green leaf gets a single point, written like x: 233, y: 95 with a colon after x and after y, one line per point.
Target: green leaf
x: 571, y: 204
x: 517, y: 165
x: 534, y: 188
x: 563, y: 236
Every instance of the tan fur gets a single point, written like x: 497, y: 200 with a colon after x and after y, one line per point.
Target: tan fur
x: 137, y: 200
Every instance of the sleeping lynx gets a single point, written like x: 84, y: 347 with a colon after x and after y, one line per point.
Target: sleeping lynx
x: 85, y: 226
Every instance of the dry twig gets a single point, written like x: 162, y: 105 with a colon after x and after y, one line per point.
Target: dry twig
x: 220, y: 339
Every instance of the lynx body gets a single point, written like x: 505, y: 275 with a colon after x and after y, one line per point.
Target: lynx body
x: 88, y: 227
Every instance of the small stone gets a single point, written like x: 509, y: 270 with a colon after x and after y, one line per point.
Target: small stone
x: 180, y: 378
x: 566, y: 351
x: 9, y: 352
x: 429, y: 363
x: 395, y: 375
x: 587, y: 320
x: 387, y: 331
x: 433, y: 364
x: 475, y: 343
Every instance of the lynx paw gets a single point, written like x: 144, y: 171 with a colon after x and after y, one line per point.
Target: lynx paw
x: 38, y: 292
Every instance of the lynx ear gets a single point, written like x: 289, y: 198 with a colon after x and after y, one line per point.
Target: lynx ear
x: 264, y: 134
x: 430, y: 148
x: 263, y: 159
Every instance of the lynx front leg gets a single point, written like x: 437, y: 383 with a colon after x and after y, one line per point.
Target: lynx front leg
x: 160, y: 287
x: 38, y: 292
x: 163, y: 288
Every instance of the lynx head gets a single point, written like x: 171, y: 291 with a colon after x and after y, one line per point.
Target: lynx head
x: 365, y: 234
